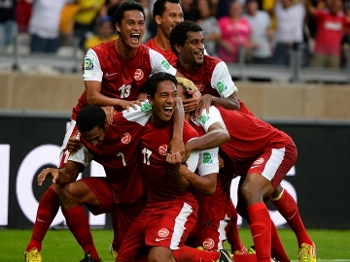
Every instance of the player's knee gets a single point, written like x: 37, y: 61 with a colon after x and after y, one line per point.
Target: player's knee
x: 160, y: 254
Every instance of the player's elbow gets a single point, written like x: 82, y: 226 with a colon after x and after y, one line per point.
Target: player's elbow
x: 224, y: 136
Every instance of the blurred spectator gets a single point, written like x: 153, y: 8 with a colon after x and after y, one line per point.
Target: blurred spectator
x: 209, y: 23
x: 23, y: 14
x: 289, y: 32
x: 67, y: 24
x: 109, y: 7
x: 8, y: 25
x: 189, y: 9
x: 44, y: 25
x: 330, y: 28
x: 104, y: 33
x: 235, y: 34
x: 346, y: 39
x: 85, y: 19
x: 262, y: 33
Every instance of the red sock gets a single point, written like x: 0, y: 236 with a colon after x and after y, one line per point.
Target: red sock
x: 232, y: 230
x: 116, y: 240
x: 78, y: 224
x: 47, y: 210
x: 190, y: 254
x: 261, y: 230
x: 288, y: 208
x: 277, y: 249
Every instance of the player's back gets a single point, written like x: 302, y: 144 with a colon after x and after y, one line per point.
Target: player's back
x: 249, y: 135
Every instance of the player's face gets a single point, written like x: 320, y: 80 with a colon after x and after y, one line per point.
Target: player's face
x: 193, y: 50
x: 95, y: 137
x: 172, y: 15
x: 180, y: 91
x: 164, y: 101
x: 132, y: 28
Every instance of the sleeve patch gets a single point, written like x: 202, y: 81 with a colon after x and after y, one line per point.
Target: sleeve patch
x: 89, y: 65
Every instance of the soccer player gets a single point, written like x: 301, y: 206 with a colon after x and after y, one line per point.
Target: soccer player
x: 166, y: 15
x: 217, y: 216
x: 120, y: 192
x: 114, y: 72
x: 209, y: 74
x: 261, y: 155
x: 170, y: 212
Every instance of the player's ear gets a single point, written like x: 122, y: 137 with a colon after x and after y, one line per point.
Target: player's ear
x: 117, y: 27
x: 178, y: 48
x: 157, y: 19
x: 150, y: 99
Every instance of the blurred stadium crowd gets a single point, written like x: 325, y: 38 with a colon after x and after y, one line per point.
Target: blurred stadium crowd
x: 257, y: 31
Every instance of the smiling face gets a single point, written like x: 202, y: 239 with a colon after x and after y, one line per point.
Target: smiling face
x: 163, y: 102
x: 192, y: 53
x: 95, y: 137
x: 131, y: 28
x: 171, y: 16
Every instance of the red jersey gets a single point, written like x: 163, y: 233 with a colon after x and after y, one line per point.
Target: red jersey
x: 249, y: 135
x: 168, y: 54
x: 117, y: 154
x: 214, y: 78
x: 120, y: 78
x: 330, y: 31
x: 153, y: 145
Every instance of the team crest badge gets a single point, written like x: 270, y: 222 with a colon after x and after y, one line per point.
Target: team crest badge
x: 138, y: 74
x: 126, y: 138
x: 200, y: 86
x: 163, y: 232
x: 163, y: 150
x: 208, y: 244
x: 259, y: 161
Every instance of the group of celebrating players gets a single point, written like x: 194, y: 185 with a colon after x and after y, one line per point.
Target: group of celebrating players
x: 164, y: 121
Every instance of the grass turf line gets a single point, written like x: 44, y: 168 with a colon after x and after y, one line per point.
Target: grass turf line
x: 61, y: 246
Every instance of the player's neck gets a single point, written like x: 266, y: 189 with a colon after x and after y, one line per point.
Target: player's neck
x: 186, y: 66
x: 156, y: 122
x: 124, y: 50
x: 162, y: 41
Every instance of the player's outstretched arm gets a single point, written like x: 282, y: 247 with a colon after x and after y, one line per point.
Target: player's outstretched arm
x: 216, y: 136
x: 94, y: 97
x: 61, y: 176
x: 203, y: 184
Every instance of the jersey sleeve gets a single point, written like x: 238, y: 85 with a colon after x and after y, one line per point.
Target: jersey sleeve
x: 82, y: 156
x: 140, y: 115
x: 206, y: 120
x: 92, y: 67
x: 222, y: 81
x: 160, y: 64
x: 208, y: 162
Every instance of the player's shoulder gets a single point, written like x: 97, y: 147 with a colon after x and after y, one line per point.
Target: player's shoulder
x: 210, y: 62
x: 150, y: 43
x: 104, y: 46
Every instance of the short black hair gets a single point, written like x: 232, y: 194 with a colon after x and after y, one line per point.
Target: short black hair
x: 89, y: 117
x: 127, y: 6
x: 178, y: 34
x: 159, y: 6
x: 151, y: 84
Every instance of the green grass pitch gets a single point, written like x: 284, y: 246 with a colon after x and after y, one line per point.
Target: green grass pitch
x: 60, y: 245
